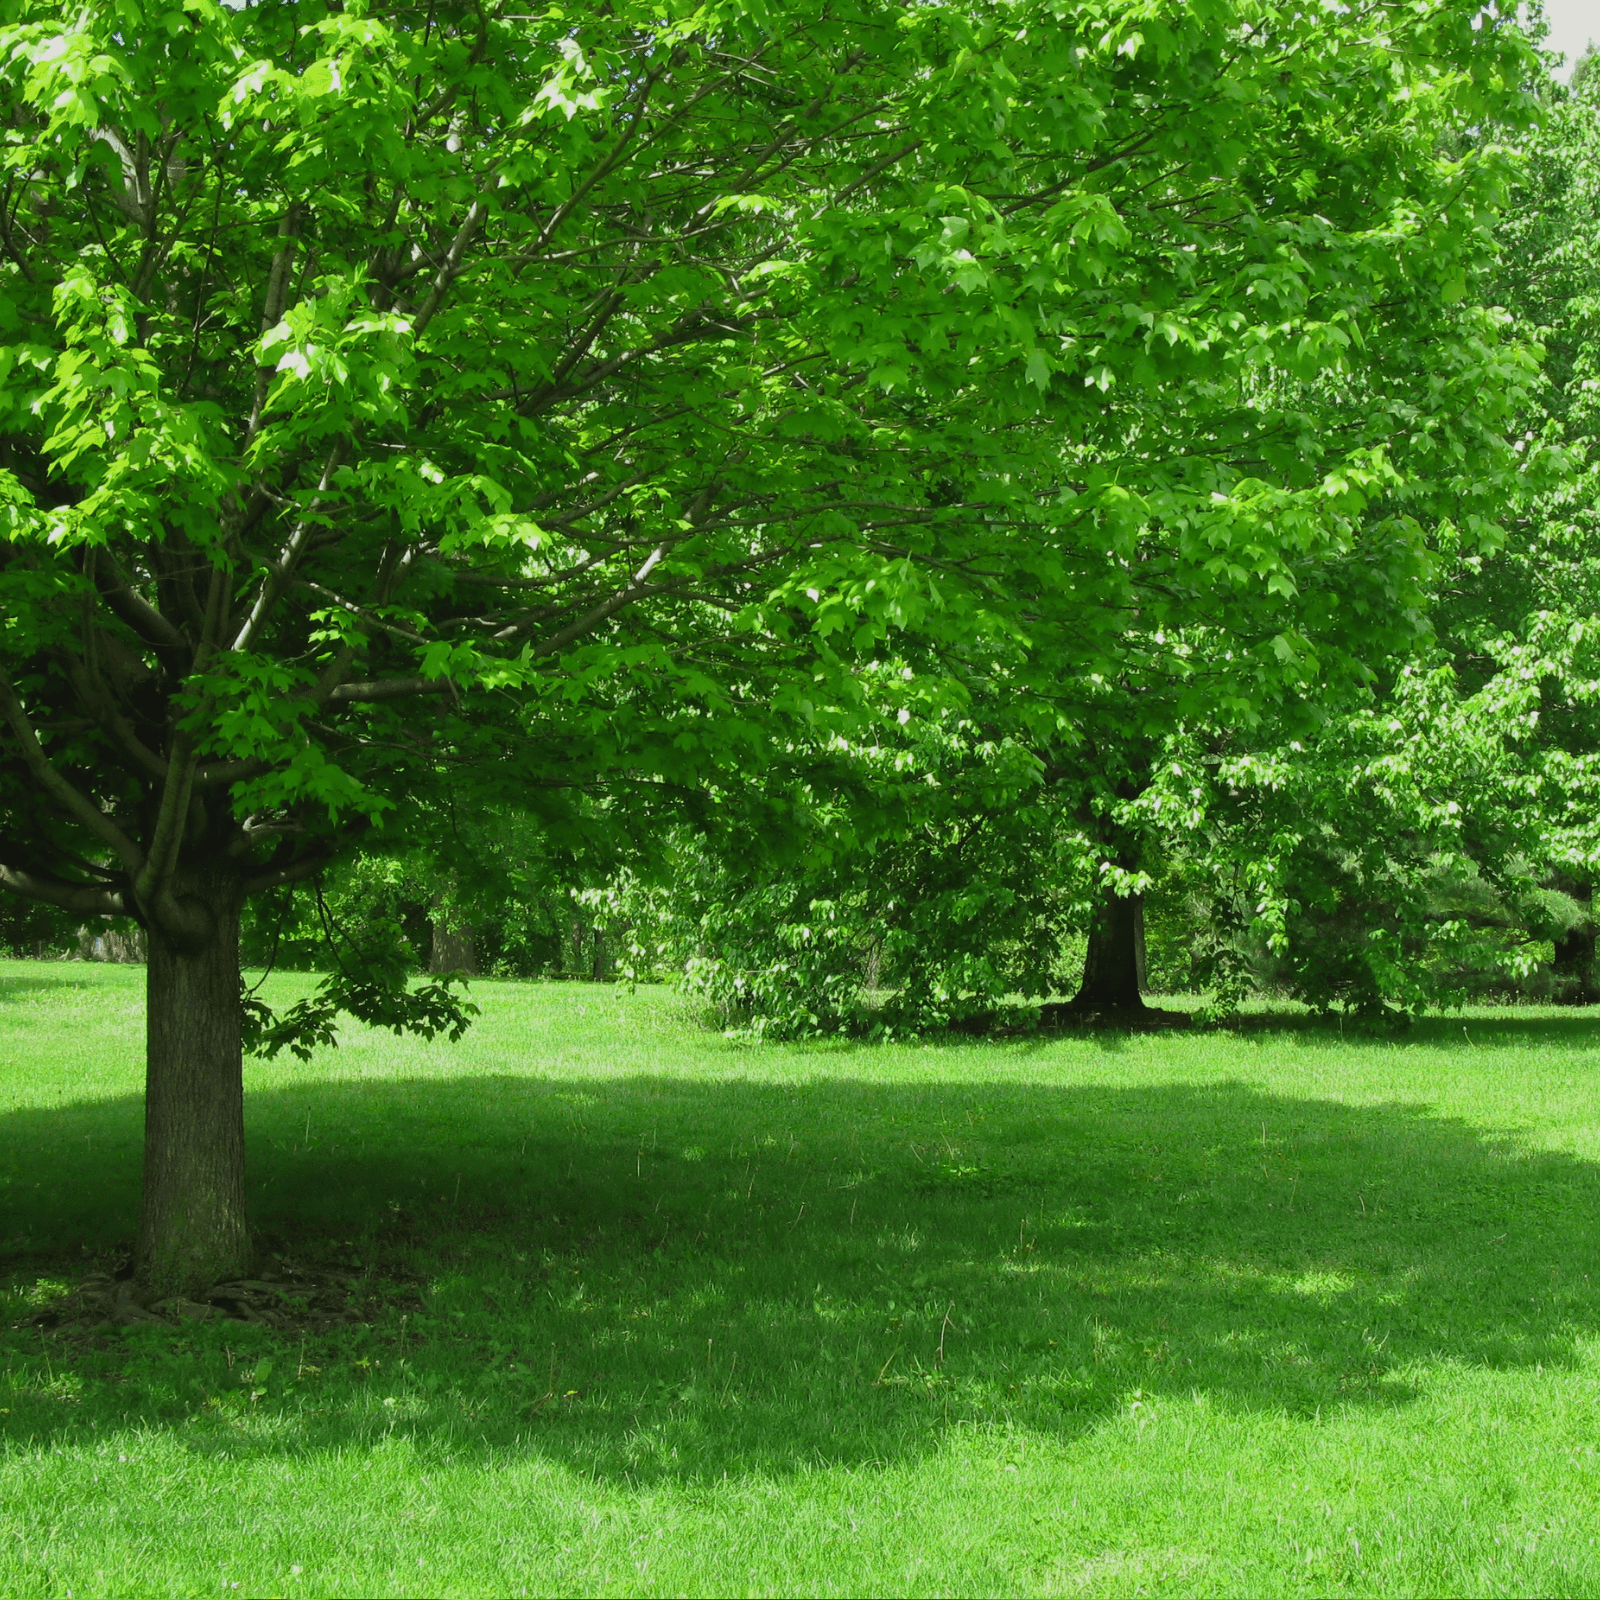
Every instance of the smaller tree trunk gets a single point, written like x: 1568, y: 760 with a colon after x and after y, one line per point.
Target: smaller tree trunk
x: 192, y: 1229
x: 455, y: 946
x: 874, y: 966
x: 111, y: 944
x: 1114, y: 966
x: 1574, y: 963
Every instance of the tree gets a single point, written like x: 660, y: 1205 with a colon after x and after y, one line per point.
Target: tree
x: 1430, y: 836
x: 1519, y: 628
x: 1354, y: 453
x: 439, y: 400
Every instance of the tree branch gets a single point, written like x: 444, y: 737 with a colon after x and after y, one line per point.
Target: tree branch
x: 295, y: 872
x: 449, y: 268
x: 81, y: 897
x: 272, y: 311
x: 606, y: 166
x: 116, y: 727
x: 223, y: 772
x: 388, y: 689
x: 634, y: 587
x: 281, y: 571
x: 132, y: 607
x: 171, y: 819
x: 57, y: 787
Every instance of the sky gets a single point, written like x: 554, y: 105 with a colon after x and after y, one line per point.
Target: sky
x: 1573, y: 23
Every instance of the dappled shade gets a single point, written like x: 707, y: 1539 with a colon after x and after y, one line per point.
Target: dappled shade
x: 650, y: 1276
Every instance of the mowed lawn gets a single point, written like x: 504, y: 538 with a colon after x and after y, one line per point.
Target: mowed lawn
x: 1261, y: 1312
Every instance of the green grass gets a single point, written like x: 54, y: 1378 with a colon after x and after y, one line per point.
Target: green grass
x: 1262, y: 1313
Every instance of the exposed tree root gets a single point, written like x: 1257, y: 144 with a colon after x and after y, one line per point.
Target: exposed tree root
x: 282, y: 1295
x: 1138, y: 1019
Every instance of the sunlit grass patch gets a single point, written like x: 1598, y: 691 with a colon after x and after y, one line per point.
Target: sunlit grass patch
x: 1266, y: 1312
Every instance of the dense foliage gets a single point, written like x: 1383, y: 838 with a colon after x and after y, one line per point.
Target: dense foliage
x: 394, y: 405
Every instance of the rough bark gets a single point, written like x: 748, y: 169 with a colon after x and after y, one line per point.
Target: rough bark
x: 192, y: 1231
x: 112, y: 944
x: 455, y: 947
x: 1114, y: 967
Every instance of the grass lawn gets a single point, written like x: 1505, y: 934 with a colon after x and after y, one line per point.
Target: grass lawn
x: 1276, y: 1312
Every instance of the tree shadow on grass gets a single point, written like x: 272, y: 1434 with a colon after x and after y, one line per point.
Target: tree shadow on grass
x: 33, y: 984
x: 1573, y: 1029
x: 659, y: 1277
x: 1576, y: 1029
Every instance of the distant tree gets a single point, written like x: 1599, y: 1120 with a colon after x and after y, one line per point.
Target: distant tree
x: 1582, y: 67
x: 1521, y: 628
x: 1491, y: 751
x: 31, y: 929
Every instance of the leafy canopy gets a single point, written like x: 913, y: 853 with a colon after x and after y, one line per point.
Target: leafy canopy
x: 403, y: 401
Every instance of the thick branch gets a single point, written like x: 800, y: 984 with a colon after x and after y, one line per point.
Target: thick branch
x: 57, y: 787
x: 132, y: 607
x: 226, y: 772
x: 295, y: 872
x: 389, y: 689
x: 84, y: 898
x: 171, y: 820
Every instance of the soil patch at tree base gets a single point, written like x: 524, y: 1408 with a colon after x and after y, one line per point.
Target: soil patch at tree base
x: 1058, y: 1017
x: 282, y: 1294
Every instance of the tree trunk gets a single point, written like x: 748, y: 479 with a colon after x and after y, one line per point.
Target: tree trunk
x: 1113, y: 969
x: 1575, y: 959
x: 455, y: 948
x: 874, y: 965
x: 192, y: 1232
x: 111, y: 944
